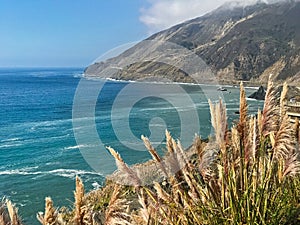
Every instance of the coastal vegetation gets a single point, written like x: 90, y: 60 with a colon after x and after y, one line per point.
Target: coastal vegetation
x: 246, y: 174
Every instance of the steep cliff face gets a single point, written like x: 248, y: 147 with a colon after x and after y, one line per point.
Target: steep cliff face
x: 236, y: 42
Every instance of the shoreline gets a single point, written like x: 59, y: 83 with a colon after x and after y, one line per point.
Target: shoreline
x: 232, y: 84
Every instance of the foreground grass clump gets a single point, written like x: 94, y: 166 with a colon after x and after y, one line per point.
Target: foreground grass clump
x: 9, y: 214
x: 246, y: 175
x: 249, y: 174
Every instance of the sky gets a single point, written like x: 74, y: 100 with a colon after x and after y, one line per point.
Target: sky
x: 73, y: 33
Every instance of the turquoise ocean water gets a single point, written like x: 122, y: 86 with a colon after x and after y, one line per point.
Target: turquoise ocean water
x: 39, y: 155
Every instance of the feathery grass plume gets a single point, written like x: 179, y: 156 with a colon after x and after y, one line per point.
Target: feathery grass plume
x: 9, y: 213
x: 133, y: 178
x: 236, y: 144
x: 13, y: 213
x: 252, y: 141
x: 170, y: 142
x: 144, y: 214
x: 219, y: 121
x: 50, y: 215
x: 259, y: 122
x: 198, y: 145
x: 243, y: 112
x: 292, y: 166
x: 155, y: 155
x: 161, y: 193
x: 182, y: 158
x: 284, y: 143
x: 116, y: 210
x: 78, y: 195
x: 283, y: 100
x: 3, y: 214
x: 206, y: 155
x: 152, y: 151
x: 270, y: 112
x: 171, y: 161
x: 219, y: 118
x: 187, y: 170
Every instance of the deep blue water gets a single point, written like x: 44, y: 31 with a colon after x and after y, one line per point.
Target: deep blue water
x: 39, y: 155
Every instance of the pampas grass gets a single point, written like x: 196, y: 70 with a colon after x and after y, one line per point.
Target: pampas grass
x: 50, y: 215
x: 283, y: 100
x: 78, y: 195
x: 249, y: 174
x: 116, y: 212
x: 9, y: 214
x: 131, y: 176
x: 248, y: 178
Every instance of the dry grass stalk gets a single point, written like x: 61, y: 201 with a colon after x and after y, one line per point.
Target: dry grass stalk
x: 291, y: 166
x: 219, y: 122
x: 79, y: 195
x: 152, y: 151
x: 236, y: 144
x: 283, y: 99
x: 241, y: 127
x: 252, y: 141
x: 116, y: 210
x: 187, y: 169
x: 144, y: 210
x: 161, y: 193
x: 4, y: 215
x: 155, y: 155
x: 13, y: 213
x: 270, y: 112
x: 50, y: 215
x: 259, y: 121
x: 171, y: 160
x: 170, y: 142
x: 284, y: 145
x: 132, y: 177
x: 9, y: 213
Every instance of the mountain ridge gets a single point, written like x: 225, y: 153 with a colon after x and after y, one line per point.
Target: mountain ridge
x: 237, y: 43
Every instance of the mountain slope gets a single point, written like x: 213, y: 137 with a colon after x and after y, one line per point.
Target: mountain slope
x: 236, y: 42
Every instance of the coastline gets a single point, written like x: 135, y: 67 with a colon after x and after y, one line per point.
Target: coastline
x: 228, y: 84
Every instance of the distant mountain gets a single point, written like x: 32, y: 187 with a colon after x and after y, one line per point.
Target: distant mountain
x: 236, y: 42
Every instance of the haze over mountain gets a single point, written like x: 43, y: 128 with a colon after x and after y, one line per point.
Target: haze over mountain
x: 235, y: 42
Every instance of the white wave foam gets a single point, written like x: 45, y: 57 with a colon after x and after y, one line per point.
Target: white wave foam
x: 19, y: 142
x: 96, y: 185
x: 10, y: 139
x: 19, y: 172
x: 69, y: 173
x: 78, y: 146
x: 10, y: 145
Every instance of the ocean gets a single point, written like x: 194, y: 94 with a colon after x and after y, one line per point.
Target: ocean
x: 55, y: 124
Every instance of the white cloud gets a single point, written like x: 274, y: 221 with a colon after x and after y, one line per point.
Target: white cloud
x: 161, y: 14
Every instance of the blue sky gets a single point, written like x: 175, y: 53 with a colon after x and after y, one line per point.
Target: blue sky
x: 48, y: 33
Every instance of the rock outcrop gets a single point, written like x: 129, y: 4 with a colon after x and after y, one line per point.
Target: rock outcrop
x: 260, y: 94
